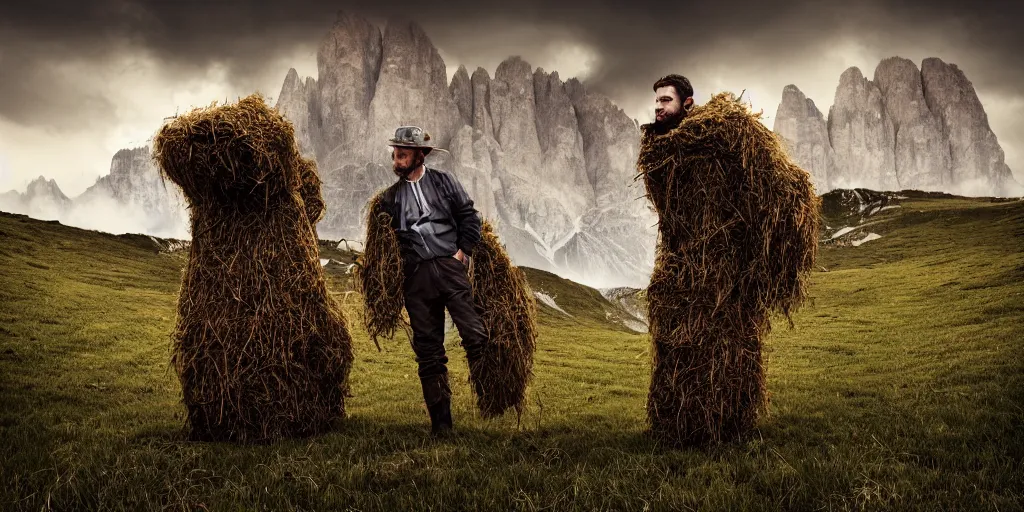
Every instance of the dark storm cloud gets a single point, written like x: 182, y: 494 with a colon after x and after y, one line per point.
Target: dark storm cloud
x: 637, y: 41
x: 32, y: 91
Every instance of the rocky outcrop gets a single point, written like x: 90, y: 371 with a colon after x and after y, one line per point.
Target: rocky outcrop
x: 976, y: 157
x: 411, y: 89
x: 461, y: 90
x: 805, y: 133
x: 135, y: 180
x: 135, y: 190
x: 47, y: 190
x: 558, y: 133
x: 472, y: 156
x: 348, y: 63
x: 42, y: 199
x: 862, y: 135
x: 921, y: 151
x: 299, y: 101
x: 620, y: 226
x: 482, y: 121
x: 905, y: 129
x: 527, y: 197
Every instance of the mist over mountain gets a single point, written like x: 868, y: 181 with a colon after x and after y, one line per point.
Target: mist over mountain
x: 133, y: 198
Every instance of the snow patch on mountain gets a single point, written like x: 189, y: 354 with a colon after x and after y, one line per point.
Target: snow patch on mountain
x: 549, y: 301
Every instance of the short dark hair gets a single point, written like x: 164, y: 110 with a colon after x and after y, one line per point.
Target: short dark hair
x: 680, y: 82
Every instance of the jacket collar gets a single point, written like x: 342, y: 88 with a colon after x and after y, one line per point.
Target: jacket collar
x: 426, y: 170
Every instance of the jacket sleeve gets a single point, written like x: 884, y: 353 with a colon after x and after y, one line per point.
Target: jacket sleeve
x: 467, y: 218
x: 387, y: 205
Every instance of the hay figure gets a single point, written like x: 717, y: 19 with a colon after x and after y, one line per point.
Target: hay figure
x: 260, y: 348
x: 500, y: 291
x: 738, y: 234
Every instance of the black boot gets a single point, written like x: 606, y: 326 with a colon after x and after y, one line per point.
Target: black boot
x: 438, y: 397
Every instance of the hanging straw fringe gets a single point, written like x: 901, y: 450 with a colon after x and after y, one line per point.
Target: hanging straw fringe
x: 501, y: 292
x: 379, y: 276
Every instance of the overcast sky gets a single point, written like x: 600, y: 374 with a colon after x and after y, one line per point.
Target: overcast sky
x: 83, y: 79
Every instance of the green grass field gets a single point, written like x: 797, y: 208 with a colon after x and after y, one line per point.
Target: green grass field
x: 900, y: 388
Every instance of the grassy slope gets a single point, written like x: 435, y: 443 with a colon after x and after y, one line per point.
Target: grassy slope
x: 900, y: 387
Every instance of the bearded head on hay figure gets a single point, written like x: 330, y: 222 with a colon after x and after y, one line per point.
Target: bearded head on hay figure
x: 428, y: 247
x: 738, y: 229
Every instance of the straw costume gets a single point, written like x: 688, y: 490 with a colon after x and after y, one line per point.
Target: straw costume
x: 416, y: 229
x: 738, y: 231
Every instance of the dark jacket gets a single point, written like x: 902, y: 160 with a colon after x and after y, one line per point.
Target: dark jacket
x: 459, y: 223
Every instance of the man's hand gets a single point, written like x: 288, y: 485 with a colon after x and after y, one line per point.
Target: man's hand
x: 460, y: 256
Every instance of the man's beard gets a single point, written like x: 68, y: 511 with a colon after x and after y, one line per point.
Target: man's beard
x: 403, y: 172
x: 670, y: 122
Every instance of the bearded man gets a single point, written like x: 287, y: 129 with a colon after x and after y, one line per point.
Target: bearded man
x: 673, y: 99
x: 437, y: 227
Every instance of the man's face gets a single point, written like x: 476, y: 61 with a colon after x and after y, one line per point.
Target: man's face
x: 668, y: 107
x: 406, y: 160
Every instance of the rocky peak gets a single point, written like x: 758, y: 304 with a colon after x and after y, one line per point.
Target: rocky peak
x: 907, y: 128
x: 921, y: 150
x: 558, y: 133
x: 976, y: 157
x: 805, y: 132
x: 861, y: 135
x: 409, y: 52
x: 575, y: 89
x: 512, y: 106
x: 611, y: 143
x: 461, y: 90
x: 348, y: 63
x: 796, y: 104
x: 44, y: 188
x: 134, y: 182
x: 481, y: 119
x: 125, y: 160
x: 899, y: 81
x: 554, y: 108
x: 297, y: 102
x: 547, y: 212
x: 412, y: 89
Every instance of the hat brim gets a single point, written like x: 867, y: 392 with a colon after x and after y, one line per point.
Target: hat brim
x: 426, y: 149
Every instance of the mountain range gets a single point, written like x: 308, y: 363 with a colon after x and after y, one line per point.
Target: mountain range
x: 549, y: 163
